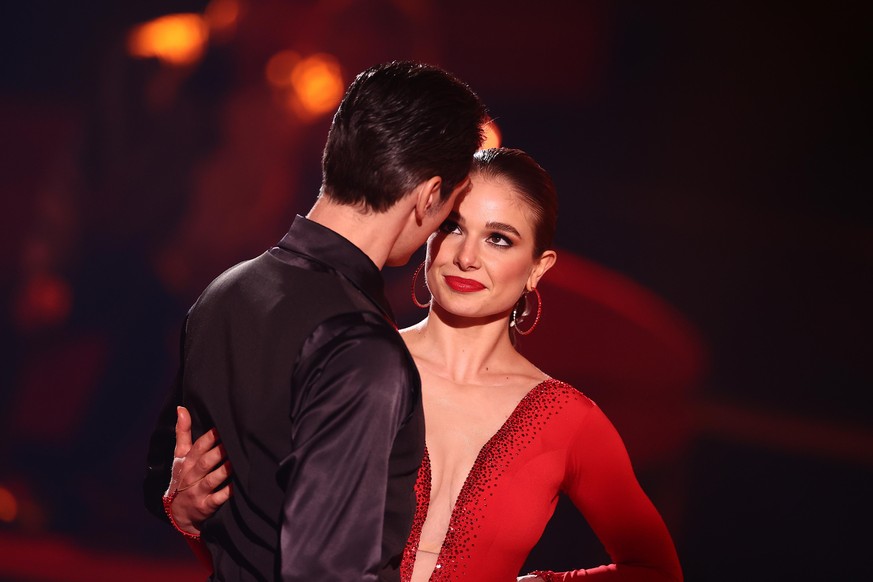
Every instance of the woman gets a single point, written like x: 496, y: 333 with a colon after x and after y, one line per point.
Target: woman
x: 503, y: 438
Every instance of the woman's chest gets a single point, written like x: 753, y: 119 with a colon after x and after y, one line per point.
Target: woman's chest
x: 497, y: 512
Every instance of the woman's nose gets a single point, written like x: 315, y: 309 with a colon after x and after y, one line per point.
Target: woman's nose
x: 467, y: 256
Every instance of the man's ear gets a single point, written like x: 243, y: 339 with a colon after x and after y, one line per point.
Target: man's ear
x: 427, y: 197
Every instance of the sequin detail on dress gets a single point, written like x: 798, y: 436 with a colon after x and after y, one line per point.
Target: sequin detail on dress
x: 533, y: 411
x: 422, y: 501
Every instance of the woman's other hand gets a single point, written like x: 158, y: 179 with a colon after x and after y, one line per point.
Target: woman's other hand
x: 198, y: 472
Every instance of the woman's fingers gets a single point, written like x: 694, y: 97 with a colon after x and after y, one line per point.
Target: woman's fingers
x: 206, y: 442
x: 192, y: 462
x: 215, y: 478
x: 199, y: 464
x: 183, y: 432
x: 221, y: 496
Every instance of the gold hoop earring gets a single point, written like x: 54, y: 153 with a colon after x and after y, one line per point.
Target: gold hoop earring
x: 516, y: 318
x: 414, y: 298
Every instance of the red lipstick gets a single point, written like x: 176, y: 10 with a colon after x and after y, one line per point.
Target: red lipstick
x: 463, y: 285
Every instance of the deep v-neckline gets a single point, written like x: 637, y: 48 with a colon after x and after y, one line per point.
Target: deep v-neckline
x: 471, y: 474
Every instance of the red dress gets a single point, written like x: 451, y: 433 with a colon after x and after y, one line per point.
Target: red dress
x: 555, y: 440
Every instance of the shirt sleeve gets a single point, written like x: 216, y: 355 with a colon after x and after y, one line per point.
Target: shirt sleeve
x: 356, y: 387
x: 601, y: 483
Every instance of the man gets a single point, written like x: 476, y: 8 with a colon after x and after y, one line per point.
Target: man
x: 294, y: 358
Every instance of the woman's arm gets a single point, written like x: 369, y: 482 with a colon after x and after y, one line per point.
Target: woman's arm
x: 601, y: 483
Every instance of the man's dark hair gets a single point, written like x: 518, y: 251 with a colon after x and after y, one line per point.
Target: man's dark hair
x: 399, y: 124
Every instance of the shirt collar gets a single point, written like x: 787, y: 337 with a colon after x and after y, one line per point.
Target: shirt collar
x: 322, y: 245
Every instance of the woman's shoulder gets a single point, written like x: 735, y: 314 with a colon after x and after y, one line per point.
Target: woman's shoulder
x: 563, y: 394
x: 559, y: 410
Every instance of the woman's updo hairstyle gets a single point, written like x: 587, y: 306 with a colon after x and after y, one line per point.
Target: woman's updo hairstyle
x: 530, y: 181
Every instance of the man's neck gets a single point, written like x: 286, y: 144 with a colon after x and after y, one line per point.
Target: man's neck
x: 374, y: 233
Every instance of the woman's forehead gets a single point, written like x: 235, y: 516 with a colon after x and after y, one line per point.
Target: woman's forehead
x: 492, y: 198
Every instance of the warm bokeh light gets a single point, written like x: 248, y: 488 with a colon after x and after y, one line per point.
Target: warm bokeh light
x: 8, y: 506
x: 280, y: 66
x: 318, y: 85
x: 45, y: 300
x: 492, y: 135
x: 177, y: 39
x: 222, y: 15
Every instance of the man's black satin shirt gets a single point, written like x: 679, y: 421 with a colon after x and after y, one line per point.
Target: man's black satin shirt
x: 293, y: 356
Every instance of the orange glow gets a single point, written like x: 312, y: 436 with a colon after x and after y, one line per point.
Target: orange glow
x: 318, y: 85
x: 280, y: 66
x: 492, y: 135
x: 177, y: 39
x: 8, y: 506
x: 222, y: 15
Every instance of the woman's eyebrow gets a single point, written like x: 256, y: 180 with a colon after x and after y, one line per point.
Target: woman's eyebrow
x: 504, y: 227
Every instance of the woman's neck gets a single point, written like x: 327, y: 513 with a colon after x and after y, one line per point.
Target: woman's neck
x: 462, y: 350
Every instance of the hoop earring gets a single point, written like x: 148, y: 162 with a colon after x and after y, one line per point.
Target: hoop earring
x: 514, y: 320
x: 414, y: 298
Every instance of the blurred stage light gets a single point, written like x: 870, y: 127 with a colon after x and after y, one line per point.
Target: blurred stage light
x: 222, y: 15
x: 308, y: 86
x: 280, y: 66
x: 45, y: 300
x: 318, y: 85
x: 492, y: 135
x: 176, y: 39
x: 8, y: 506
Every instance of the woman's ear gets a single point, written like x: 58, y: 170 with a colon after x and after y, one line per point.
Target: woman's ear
x: 543, y: 264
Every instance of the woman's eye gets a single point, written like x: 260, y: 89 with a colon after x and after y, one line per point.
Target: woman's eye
x: 499, y: 240
x: 449, y: 226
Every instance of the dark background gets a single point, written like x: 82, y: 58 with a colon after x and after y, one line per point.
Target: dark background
x: 710, y: 159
